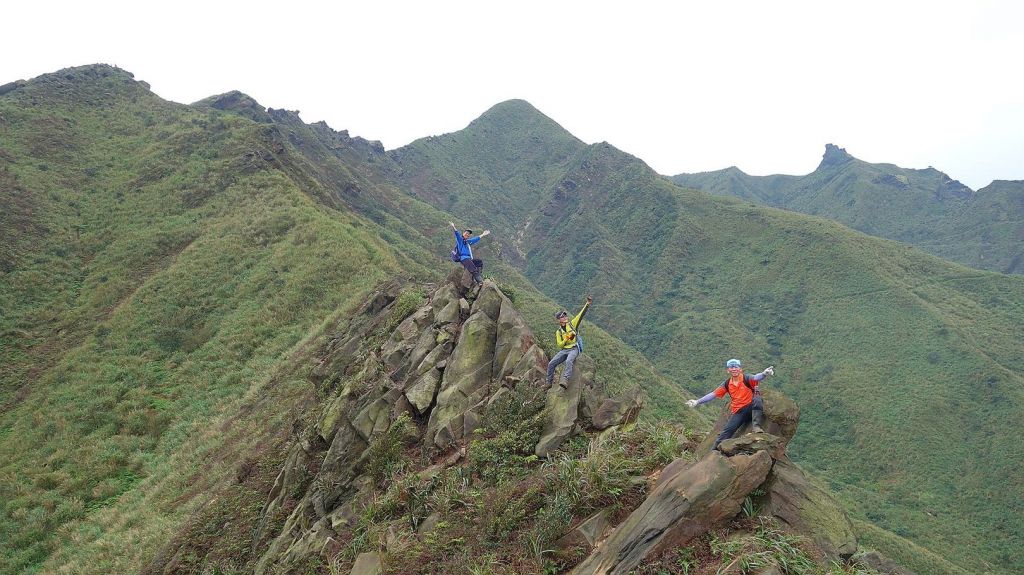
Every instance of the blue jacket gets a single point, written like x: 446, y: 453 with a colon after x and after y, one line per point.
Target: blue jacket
x: 465, y: 252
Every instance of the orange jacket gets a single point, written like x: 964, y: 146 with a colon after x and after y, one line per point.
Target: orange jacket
x: 740, y: 392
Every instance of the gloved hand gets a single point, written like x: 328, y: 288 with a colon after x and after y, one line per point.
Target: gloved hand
x: 770, y: 370
x: 571, y: 336
x: 485, y: 232
x: 691, y: 403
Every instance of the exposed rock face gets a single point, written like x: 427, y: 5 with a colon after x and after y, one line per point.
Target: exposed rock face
x: 429, y: 380
x: 443, y: 365
x: 618, y: 410
x: 690, y: 499
x: 564, y: 407
x: 689, y: 503
x: 834, y: 156
x: 807, y: 508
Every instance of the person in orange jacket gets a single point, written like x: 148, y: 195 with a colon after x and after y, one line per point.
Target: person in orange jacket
x: 570, y: 345
x: 747, y: 405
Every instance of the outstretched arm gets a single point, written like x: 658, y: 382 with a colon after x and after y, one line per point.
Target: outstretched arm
x: 770, y: 370
x: 703, y: 400
x: 579, y: 317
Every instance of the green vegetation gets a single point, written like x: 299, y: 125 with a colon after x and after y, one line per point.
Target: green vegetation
x: 881, y: 345
x: 503, y: 511
x: 163, y: 271
x: 921, y: 207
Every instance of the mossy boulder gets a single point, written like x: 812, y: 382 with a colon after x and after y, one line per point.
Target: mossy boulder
x: 806, y: 508
x: 465, y: 382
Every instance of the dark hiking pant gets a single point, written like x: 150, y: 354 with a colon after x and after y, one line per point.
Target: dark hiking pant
x: 567, y: 356
x: 474, y: 267
x: 739, y: 418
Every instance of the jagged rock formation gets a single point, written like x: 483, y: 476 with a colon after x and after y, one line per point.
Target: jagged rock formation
x: 424, y: 375
x: 439, y: 368
x: 683, y: 506
x: 691, y: 499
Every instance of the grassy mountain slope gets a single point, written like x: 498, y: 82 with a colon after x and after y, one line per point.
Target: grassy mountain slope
x: 163, y: 270
x: 926, y: 208
x: 903, y: 363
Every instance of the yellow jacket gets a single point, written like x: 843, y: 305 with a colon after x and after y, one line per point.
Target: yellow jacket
x: 562, y: 333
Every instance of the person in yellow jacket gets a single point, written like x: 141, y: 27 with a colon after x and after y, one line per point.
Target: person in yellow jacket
x: 569, y: 344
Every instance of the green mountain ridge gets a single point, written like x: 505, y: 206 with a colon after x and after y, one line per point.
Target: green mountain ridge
x: 695, y: 279
x: 165, y: 268
x: 925, y: 208
x: 171, y: 266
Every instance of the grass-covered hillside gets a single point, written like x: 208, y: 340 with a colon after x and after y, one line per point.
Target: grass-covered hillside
x: 163, y: 270
x: 926, y: 208
x: 904, y: 364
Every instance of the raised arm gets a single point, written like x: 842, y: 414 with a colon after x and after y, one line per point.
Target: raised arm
x: 579, y: 317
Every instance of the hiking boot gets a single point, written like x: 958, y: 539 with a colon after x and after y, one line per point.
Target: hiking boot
x: 563, y: 384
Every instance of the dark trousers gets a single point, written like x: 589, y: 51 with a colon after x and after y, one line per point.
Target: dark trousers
x: 474, y: 268
x: 739, y: 418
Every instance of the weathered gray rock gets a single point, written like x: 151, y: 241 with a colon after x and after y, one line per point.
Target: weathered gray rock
x: 425, y: 344
x: 461, y: 280
x: 441, y: 351
x: 514, y: 339
x: 423, y: 391
x: 563, y: 408
x: 429, y: 523
x: 373, y: 419
x: 441, y: 299
x: 489, y: 300
x: 368, y: 564
x: 465, y: 382
x: 450, y: 313
x: 696, y: 499
x: 750, y: 443
x: 585, y: 535
x: 806, y: 508
x: 618, y: 410
x: 531, y: 367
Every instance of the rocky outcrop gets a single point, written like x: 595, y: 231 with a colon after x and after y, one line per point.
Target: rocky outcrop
x: 427, y: 378
x: 442, y: 365
x: 804, y: 507
x: 689, y: 499
x: 683, y: 506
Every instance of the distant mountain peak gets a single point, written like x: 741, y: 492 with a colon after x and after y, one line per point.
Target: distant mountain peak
x: 834, y: 156
x: 520, y: 113
x: 237, y: 102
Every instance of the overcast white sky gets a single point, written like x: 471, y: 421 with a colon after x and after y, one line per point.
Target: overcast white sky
x: 685, y: 86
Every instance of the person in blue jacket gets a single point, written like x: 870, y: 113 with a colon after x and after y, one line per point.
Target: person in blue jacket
x: 464, y: 252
